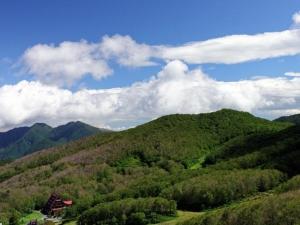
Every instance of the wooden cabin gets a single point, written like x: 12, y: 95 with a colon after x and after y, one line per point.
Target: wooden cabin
x: 55, y: 205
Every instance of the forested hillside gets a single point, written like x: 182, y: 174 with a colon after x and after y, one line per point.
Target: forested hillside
x: 223, y: 164
x: 295, y: 119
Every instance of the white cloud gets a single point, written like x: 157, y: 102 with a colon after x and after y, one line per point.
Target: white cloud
x: 292, y: 74
x: 175, y: 89
x: 70, y: 61
x: 65, y: 63
x: 237, y: 48
x: 296, y: 19
x: 126, y: 51
x: 224, y: 50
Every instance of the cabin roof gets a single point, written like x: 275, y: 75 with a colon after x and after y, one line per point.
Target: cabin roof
x: 68, y: 202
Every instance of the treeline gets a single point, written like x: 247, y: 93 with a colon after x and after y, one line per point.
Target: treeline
x: 129, y: 212
x: 218, y: 188
x: 275, y: 210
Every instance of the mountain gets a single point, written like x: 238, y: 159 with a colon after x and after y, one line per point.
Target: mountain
x: 6, y: 138
x: 26, y: 140
x: 189, y: 137
x: 295, y: 119
x: 217, y: 161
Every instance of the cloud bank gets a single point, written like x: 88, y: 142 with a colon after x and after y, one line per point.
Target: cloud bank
x: 175, y: 89
x: 68, y: 62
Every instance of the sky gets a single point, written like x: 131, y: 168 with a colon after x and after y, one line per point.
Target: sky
x: 116, y: 64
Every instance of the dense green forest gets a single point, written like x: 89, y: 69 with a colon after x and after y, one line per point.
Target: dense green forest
x: 230, y: 165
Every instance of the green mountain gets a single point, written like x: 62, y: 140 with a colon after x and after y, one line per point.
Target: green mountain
x: 295, y: 119
x: 6, y: 138
x: 187, y: 137
x: 230, y: 166
x: 26, y: 140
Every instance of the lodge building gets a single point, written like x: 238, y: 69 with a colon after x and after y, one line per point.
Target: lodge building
x: 55, y: 205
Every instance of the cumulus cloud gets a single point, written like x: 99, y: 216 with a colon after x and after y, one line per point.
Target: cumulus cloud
x: 296, y: 19
x: 70, y: 61
x: 175, y: 89
x: 65, y: 63
x: 126, y: 51
x: 292, y: 74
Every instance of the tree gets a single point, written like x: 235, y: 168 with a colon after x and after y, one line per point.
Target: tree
x: 14, y: 218
x: 138, y: 218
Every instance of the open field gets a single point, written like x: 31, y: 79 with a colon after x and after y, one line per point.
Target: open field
x: 182, y: 216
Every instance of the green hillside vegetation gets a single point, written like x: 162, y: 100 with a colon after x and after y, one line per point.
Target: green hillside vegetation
x: 294, y: 119
x: 189, y: 137
x: 279, y: 150
x: 26, y: 140
x: 190, y: 162
x: 220, y: 187
x: 282, y: 209
x: 129, y: 211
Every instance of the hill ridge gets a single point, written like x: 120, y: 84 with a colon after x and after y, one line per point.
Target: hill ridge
x: 25, y: 140
x: 294, y: 119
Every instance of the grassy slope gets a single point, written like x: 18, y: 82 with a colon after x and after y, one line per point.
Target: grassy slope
x: 181, y: 217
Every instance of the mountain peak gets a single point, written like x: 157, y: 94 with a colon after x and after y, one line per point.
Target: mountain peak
x: 41, y: 125
x: 22, y: 141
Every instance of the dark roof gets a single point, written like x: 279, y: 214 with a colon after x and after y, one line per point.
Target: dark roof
x: 53, y: 204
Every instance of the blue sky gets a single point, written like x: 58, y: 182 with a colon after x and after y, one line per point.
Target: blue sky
x: 26, y: 23
x: 31, y: 28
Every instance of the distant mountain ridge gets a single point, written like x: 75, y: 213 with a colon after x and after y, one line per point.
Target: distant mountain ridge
x: 22, y: 141
x: 295, y: 119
